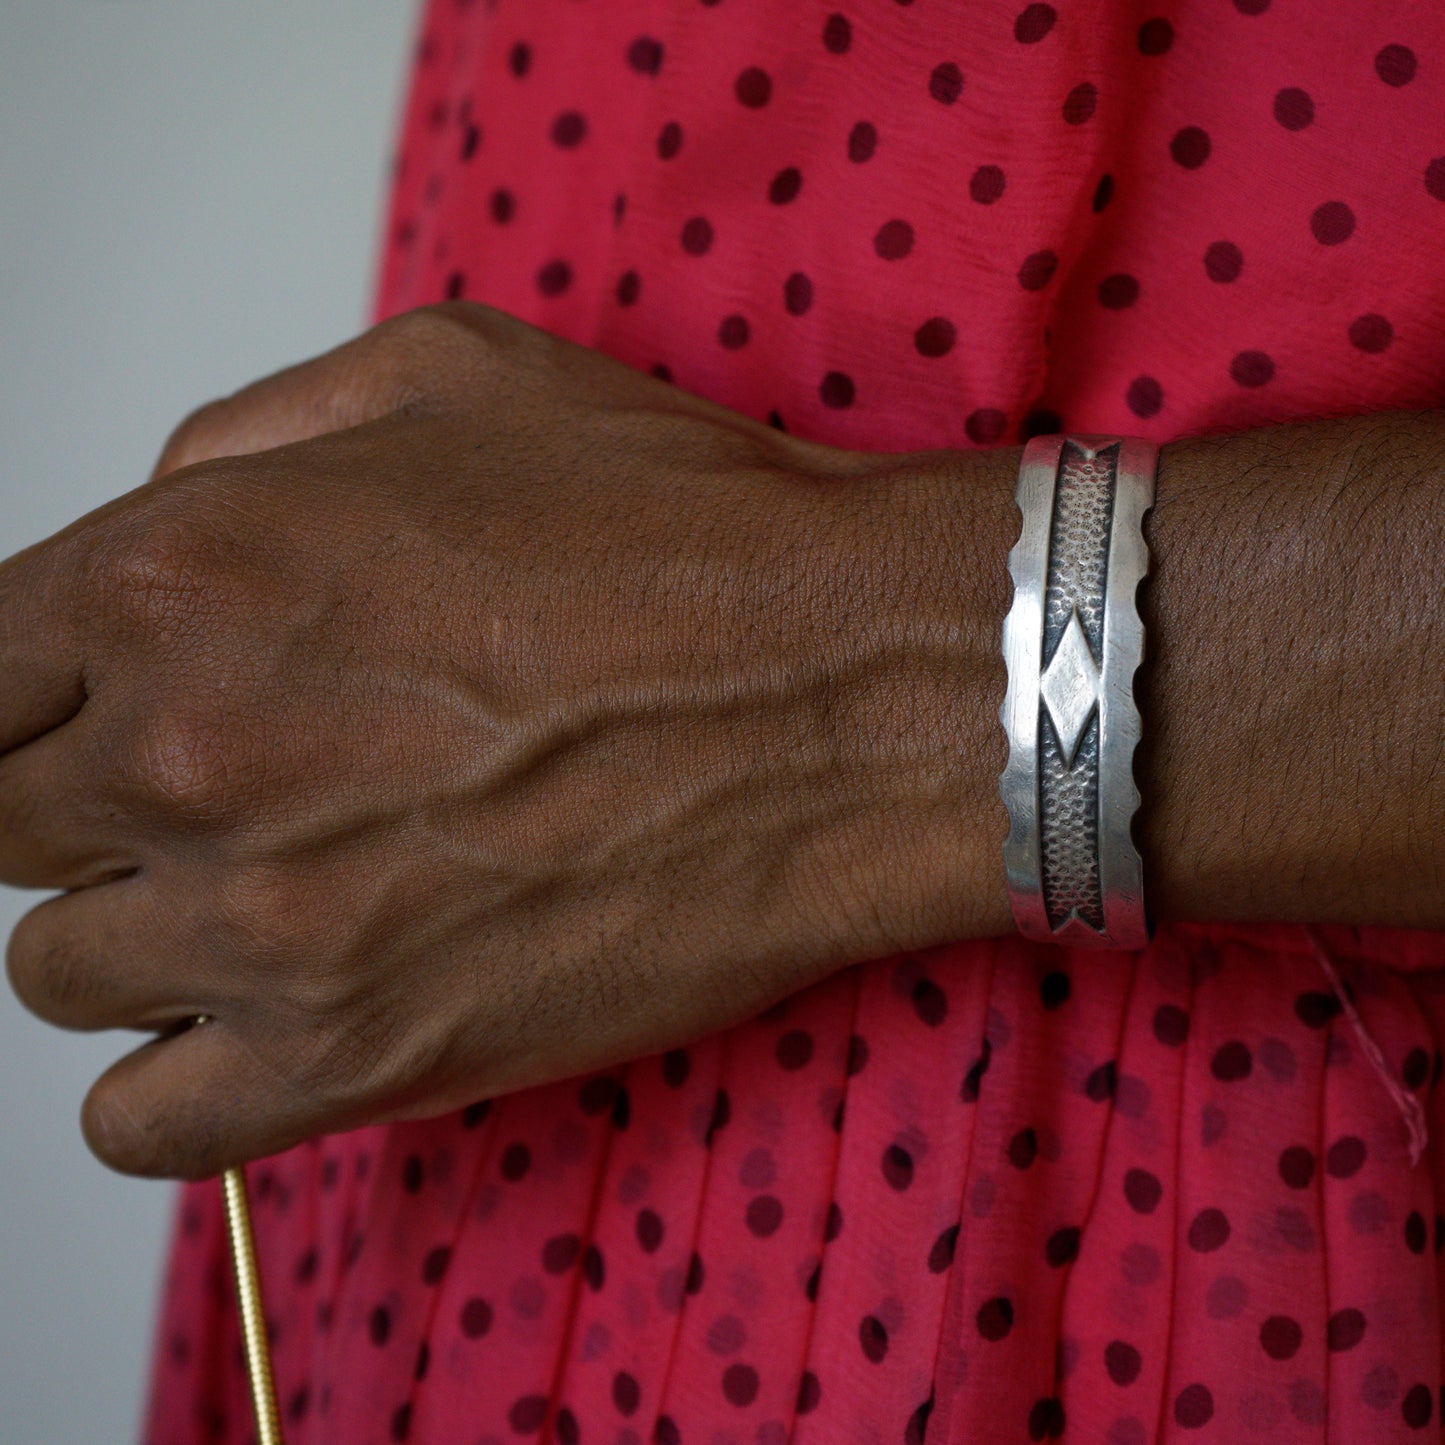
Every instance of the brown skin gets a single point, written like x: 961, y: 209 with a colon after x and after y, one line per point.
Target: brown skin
x: 464, y: 710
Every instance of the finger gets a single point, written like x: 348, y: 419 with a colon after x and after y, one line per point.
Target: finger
x: 55, y: 829
x: 403, y: 360
x: 110, y: 957
x: 193, y: 1104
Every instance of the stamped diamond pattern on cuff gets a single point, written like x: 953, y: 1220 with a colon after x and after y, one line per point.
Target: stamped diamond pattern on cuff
x: 1070, y: 687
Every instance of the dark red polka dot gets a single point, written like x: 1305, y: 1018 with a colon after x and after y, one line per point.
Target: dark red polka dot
x: 412, y: 1174
x: 1041, y: 422
x: 862, y: 141
x: 810, y: 1393
x: 476, y: 1318
x: 1297, y: 1166
x: 569, y: 1432
x: 669, y: 140
x: 1145, y: 397
x: 1346, y: 1328
x: 1118, y: 291
x: 1143, y: 1191
x: 676, y: 1066
x: 644, y: 55
x: 1208, y: 1231
x: 940, y: 1256
x: 1062, y: 1247
x: 986, y: 185
x: 527, y: 1414
x: 1416, y: 1234
x: 1190, y: 147
x: 794, y: 1050
x: 733, y: 332
x: 1281, y: 1337
x: 836, y: 390
x: 1122, y: 1361
x: 554, y: 278
x: 665, y: 1432
x: 1251, y: 7
x: 945, y: 84
x: 837, y: 34
x: 1313, y: 1009
x: 434, y: 1266
x: 1155, y: 36
x: 1373, y: 333
x: 1232, y: 1061
x: 1103, y: 193
x: 1417, y: 1406
x: 893, y: 240
x: 1416, y: 1068
x: 560, y: 1253
x: 471, y: 140
x: 754, y: 87
x: 1252, y: 368
x: 1171, y: 1025
x: 833, y: 1224
x: 569, y: 129
x: 936, y: 337
x: 649, y: 1230
x: 785, y: 186
x: 985, y: 426
x: 1396, y: 65
x: 1081, y: 103
x: 1038, y: 268
x: 1023, y: 1148
x: 519, y: 59
x: 1346, y: 1157
x: 1435, y: 178
x: 1332, y: 223
x: 1223, y: 261
x: 502, y: 206
x: 764, y: 1215
x: 1293, y: 108
x: 740, y: 1385
x: 379, y: 1325
x: 1046, y: 1419
x: 873, y: 1337
x: 930, y: 1003
x: 1194, y: 1405
x: 697, y: 236
x: 1102, y: 1083
x: 1033, y: 23
x: 797, y: 294
x: 629, y: 286
x: 897, y: 1167
x: 626, y: 1392
x: 995, y: 1318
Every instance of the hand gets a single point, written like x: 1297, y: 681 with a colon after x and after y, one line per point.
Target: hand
x: 463, y: 710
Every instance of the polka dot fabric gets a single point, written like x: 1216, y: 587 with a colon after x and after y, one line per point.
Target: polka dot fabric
x: 996, y: 1191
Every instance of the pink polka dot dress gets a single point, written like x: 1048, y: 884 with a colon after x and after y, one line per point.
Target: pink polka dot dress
x: 998, y: 1191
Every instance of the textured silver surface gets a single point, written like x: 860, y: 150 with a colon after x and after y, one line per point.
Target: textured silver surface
x: 1073, y: 642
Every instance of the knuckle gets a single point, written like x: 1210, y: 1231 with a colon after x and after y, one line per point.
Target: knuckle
x: 163, y: 569
x: 272, y: 924
x: 194, y: 439
x: 436, y: 352
x: 184, y: 760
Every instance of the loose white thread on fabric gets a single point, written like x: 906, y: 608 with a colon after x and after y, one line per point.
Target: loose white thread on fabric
x: 1405, y: 1101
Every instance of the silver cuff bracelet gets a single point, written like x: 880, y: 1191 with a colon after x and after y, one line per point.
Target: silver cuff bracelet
x: 1073, y: 640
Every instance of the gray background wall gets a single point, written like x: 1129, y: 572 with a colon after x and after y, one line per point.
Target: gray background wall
x: 189, y: 195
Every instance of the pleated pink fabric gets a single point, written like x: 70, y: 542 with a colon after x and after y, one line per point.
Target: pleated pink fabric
x: 997, y: 1191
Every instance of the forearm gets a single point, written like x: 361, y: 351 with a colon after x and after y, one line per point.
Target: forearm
x: 1293, y: 702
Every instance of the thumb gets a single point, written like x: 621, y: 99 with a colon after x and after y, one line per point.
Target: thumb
x: 391, y: 366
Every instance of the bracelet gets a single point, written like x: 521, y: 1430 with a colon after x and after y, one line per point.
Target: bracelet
x: 1073, y: 640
